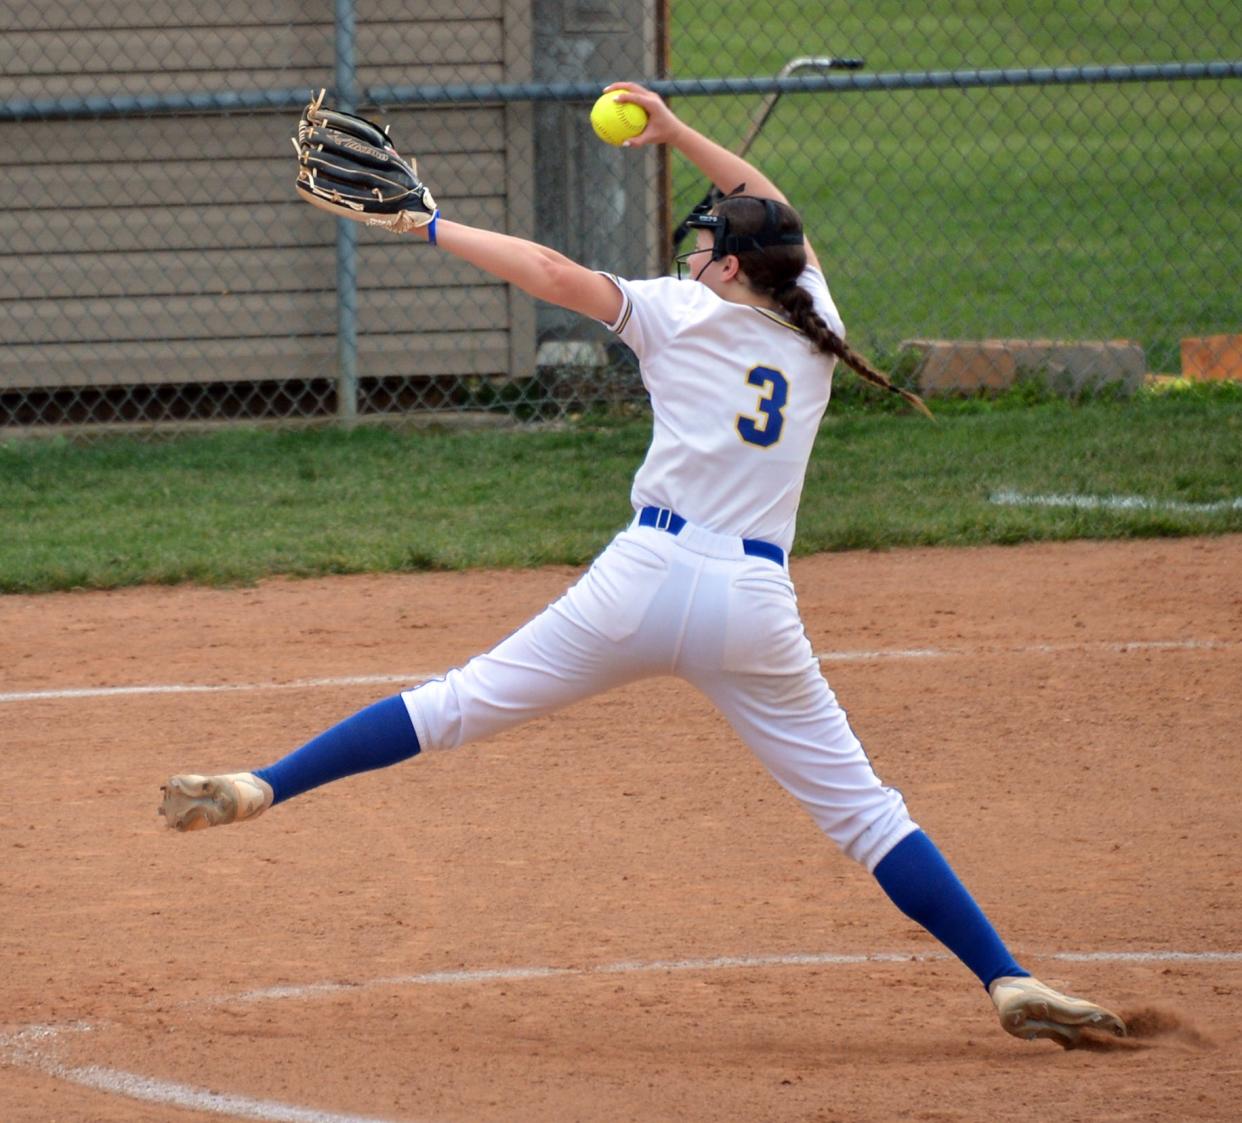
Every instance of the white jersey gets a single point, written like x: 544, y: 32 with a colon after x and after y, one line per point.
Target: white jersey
x: 737, y: 394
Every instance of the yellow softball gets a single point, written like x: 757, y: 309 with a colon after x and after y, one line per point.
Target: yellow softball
x: 617, y: 121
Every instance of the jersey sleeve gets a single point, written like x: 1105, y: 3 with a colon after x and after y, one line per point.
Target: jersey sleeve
x: 813, y: 281
x: 654, y: 311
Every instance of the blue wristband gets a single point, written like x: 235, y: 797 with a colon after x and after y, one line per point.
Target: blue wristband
x: 431, y: 227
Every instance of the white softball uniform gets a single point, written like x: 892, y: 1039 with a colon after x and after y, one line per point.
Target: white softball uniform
x: 697, y: 586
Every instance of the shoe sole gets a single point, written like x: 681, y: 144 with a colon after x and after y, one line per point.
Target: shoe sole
x: 1039, y: 1018
x: 196, y: 807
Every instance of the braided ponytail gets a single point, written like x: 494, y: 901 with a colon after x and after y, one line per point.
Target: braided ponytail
x: 774, y: 271
x: 800, y: 309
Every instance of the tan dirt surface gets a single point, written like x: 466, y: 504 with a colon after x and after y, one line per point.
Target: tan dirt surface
x: 1065, y: 721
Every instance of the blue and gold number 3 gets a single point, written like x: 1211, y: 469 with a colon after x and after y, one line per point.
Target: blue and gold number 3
x: 765, y: 430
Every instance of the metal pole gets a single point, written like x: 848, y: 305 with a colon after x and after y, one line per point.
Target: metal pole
x: 851, y: 81
x: 128, y: 105
x: 346, y: 233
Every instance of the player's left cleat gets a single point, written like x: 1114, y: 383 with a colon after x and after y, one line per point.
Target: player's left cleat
x: 192, y: 803
x: 1030, y: 1009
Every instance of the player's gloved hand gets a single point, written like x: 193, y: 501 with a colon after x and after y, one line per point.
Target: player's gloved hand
x: 349, y: 167
x: 662, y: 122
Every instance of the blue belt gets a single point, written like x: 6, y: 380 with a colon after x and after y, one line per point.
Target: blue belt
x: 661, y: 518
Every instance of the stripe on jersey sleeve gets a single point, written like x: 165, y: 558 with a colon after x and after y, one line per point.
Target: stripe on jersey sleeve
x: 627, y: 305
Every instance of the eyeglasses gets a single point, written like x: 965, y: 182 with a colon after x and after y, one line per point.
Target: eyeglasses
x: 683, y: 263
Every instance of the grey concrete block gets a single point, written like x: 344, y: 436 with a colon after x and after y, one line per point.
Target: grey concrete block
x: 994, y: 364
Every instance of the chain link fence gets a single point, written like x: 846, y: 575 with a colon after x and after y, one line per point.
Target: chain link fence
x: 968, y: 172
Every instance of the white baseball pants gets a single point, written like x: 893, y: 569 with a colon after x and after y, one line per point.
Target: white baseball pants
x: 695, y: 606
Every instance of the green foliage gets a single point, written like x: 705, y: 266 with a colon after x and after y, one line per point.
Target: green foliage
x: 238, y: 506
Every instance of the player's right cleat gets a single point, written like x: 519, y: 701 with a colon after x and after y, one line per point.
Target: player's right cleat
x: 1030, y: 1009
x: 192, y: 803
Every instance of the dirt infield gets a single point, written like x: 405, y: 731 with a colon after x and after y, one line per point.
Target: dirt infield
x: 614, y: 914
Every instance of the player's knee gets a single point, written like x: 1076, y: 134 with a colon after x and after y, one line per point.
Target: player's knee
x: 867, y: 839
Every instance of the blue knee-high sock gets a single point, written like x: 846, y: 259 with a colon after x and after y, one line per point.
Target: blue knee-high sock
x: 380, y: 735
x: 922, y: 884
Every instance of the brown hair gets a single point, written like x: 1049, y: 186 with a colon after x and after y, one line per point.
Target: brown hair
x: 774, y: 271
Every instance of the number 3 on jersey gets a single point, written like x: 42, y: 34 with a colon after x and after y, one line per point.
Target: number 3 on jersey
x: 765, y: 430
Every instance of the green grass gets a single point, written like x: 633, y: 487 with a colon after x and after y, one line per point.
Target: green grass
x: 234, y: 507
x: 1077, y: 212
x: 1080, y: 212
x: 237, y: 506
x: 899, y: 486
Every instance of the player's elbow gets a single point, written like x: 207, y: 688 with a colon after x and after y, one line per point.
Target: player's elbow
x: 581, y: 290
x: 561, y: 277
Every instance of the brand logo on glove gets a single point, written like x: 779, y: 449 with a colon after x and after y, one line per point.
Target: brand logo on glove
x: 365, y: 149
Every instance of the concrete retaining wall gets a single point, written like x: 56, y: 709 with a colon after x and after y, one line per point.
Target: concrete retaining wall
x: 995, y: 364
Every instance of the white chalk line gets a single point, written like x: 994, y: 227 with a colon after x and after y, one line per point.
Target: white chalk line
x: 31, y: 1047
x: 522, y: 974
x: 133, y: 1086
x: 214, y: 688
x: 718, y: 963
x: 1105, y: 646
x: 416, y: 677
x: 1114, y: 503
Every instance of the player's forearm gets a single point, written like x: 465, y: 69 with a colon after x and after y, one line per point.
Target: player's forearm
x: 533, y: 268
x: 725, y: 169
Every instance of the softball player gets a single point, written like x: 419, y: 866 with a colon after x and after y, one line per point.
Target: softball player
x: 738, y: 362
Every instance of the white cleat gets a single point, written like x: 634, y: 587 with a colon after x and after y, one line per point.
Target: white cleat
x: 192, y: 803
x: 1029, y: 1009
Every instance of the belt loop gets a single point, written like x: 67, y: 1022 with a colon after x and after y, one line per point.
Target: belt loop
x: 663, y: 517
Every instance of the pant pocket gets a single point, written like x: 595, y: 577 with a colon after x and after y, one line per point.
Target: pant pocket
x: 614, y: 595
x: 763, y: 631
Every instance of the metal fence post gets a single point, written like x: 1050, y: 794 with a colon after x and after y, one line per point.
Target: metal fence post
x: 346, y: 233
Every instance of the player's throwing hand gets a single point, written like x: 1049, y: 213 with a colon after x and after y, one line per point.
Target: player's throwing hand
x: 662, y: 124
